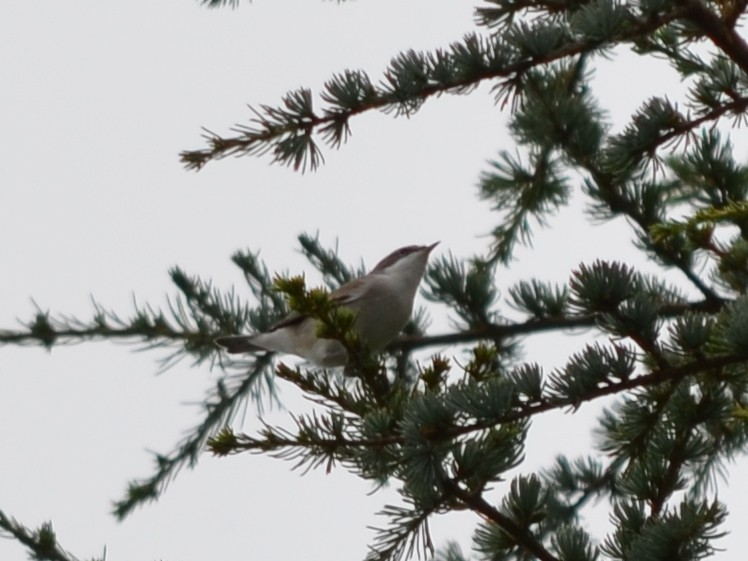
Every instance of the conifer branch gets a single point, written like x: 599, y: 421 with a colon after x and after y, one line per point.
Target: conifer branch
x: 618, y: 204
x: 720, y: 31
x: 286, y: 131
x: 408, y: 534
x: 219, y: 407
x: 48, y: 332
x: 41, y: 543
x: 278, y: 442
x: 499, y: 332
x: 678, y: 368
x: 672, y: 479
x: 220, y: 3
x: 524, y: 538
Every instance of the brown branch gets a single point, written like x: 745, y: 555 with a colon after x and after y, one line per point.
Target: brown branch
x: 737, y: 105
x: 408, y: 343
x: 71, y: 335
x: 667, y: 486
x: 523, y: 412
x: 732, y: 12
x: 162, y: 333
x: 721, y: 32
x: 618, y: 204
x: 495, y: 332
x: 323, y: 394
x: 521, y: 536
x: 221, y: 147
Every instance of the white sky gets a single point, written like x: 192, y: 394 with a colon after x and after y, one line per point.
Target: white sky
x: 97, y: 99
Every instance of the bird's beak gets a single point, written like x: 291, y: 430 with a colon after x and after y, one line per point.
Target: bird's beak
x: 432, y: 246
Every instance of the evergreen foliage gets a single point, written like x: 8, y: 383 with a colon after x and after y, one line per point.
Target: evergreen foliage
x: 448, y: 435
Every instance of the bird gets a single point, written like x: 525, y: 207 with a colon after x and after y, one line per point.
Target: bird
x: 382, y: 301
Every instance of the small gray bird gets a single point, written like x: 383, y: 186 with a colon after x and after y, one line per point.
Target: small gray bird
x: 382, y: 300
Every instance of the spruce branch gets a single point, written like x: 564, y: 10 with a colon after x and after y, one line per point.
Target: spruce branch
x: 574, y: 484
x: 674, y: 435
x: 558, y: 117
x: 690, y: 529
x: 556, y: 398
x: 220, y: 3
x: 450, y: 552
x: 614, y: 164
x: 505, y: 331
x: 152, y: 326
x: 286, y: 131
x: 41, y: 543
x: 617, y: 202
x: 321, y: 387
x: 678, y: 368
x: 195, y: 316
x: 672, y: 479
x: 407, y: 534
x: 720, y: 31
x: 219, y: 407
x: 327, y: 262
x: 469, y: 290
x: 518, y: 534
x: 520, y: 193
x: 540, y: 300
x: 697, y: 228
x: 146, y: 324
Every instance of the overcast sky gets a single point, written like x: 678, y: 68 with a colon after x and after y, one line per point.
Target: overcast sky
x: 97, y: 100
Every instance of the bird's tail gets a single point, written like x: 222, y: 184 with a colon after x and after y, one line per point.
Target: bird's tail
x: 238, y: 344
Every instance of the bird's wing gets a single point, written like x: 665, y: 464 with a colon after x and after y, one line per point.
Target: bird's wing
x: 349, y: 292
x: 346, y: 294
x: 238, y: 344
x: 293, y: 318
